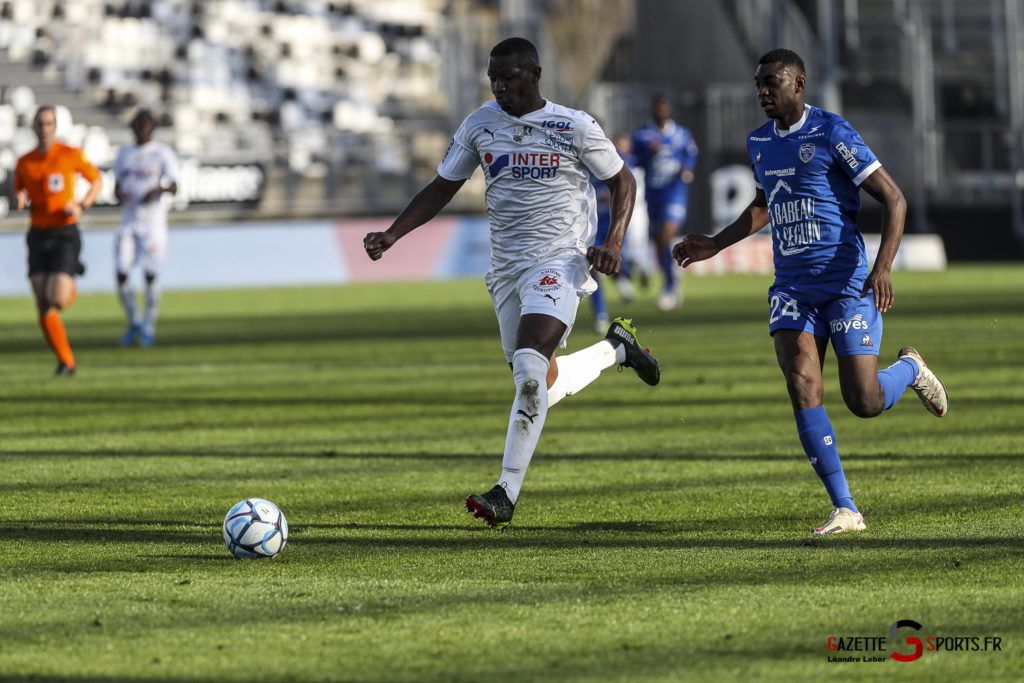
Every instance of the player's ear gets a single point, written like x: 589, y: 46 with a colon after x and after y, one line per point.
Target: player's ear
x: 535, y: 74
x: 800, y: 82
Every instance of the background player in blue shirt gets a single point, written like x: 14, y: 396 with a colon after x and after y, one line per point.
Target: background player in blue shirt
x: 809, y: 166
x: 668, y: 154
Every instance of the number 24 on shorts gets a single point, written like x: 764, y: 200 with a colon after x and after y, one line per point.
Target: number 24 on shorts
x: 788, y: 308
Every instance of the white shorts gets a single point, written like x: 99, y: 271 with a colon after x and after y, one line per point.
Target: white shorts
x: 553, y: 288
x: 139, y: 245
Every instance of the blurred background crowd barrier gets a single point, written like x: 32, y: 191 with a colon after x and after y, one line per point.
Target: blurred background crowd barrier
x: 304, y: 109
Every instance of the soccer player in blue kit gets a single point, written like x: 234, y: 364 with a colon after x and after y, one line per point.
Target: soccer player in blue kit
x: 809, y: 166
x: 668, y: 154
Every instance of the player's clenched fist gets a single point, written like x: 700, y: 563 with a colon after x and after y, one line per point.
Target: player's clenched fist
x: 376, y: 243
x: 604, y: 259
x: 693, y: 248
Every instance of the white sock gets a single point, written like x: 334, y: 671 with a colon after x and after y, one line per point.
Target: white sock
x: 127, y: 295
x: 530, y: 370
x: 153, y: 294
x: 579, y: 369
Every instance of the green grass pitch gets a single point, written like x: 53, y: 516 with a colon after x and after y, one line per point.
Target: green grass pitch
x: 663, y: 533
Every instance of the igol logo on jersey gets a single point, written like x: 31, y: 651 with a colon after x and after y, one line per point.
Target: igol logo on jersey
x: 535, y: 165
x: 562, y: 126
x: 806, y: 152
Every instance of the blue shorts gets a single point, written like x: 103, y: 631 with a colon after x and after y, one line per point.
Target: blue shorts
x: 833, y: 310
x: 667, y: 204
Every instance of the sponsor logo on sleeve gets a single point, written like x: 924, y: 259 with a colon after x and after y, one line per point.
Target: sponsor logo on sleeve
x: 849, y: 155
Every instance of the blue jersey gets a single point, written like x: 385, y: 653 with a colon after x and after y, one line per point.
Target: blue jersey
x: 663, y: 154
x: 811, y: 176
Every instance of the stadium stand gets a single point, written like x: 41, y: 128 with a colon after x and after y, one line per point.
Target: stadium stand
x: 348, y: 105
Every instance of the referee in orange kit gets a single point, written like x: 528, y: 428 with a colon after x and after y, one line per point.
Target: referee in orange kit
x: 44, y: 180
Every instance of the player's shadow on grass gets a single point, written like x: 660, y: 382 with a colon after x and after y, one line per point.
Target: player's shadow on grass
x: 391, y: 324
x: 107, y: 531
x: 654, y: 534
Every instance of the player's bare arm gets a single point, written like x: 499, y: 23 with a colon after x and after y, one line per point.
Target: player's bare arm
x: 606, y: 258
x: 884, y: 189
x: 695, y: 248
x: 423, y: 207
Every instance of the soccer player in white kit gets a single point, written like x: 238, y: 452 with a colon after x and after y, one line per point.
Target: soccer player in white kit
x: 143, y: 172
x: 535, y: 155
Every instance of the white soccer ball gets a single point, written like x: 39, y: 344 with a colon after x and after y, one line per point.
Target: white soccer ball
x: 255, y: 528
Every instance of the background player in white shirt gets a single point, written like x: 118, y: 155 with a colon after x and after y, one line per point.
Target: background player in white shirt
x: 536, y: 157
x: 143, y: 172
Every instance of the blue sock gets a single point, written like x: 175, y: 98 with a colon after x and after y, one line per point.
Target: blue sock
x: 597, y: 301
x: 819, y: 442
x: 668, y: 266
x: 896, y: 378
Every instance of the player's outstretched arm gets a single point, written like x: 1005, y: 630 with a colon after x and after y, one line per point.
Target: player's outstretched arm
x: 607, y: 258
x: 695, y: 248
x: 424, y: 206
x: 882, y: 187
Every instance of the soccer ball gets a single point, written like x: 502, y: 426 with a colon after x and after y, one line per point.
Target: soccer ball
x: 255, y: 528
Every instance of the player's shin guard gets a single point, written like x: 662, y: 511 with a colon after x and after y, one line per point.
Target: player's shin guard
x: 895, y: 379
x: 579, y: 369
x: 819, y: 442
x: 529, y: 369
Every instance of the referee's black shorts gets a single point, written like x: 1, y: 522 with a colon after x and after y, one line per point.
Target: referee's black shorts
x: 54, y: 250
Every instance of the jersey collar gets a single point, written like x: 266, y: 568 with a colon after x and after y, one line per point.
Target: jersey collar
x: 796, y: 126
x: 546, y: 109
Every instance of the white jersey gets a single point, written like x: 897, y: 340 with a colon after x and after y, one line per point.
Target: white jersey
x: 539, y: 198
x: 139, y: 169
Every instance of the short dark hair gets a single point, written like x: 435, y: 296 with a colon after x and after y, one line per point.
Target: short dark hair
x: 520, y: 48
x: 142, y: 114
x: 786, y: 58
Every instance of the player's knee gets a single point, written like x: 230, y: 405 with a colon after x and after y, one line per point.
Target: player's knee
x: 150, y: 278
x: 862, y: 405
x: 121, y: 279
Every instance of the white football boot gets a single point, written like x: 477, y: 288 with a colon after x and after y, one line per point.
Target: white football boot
x: 842, y: 519
x: 928, y: 387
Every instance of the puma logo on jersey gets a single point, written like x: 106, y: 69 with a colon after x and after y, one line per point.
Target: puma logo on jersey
x: 527, y: 415
x: 554, y: 299
x: 489, y: 133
